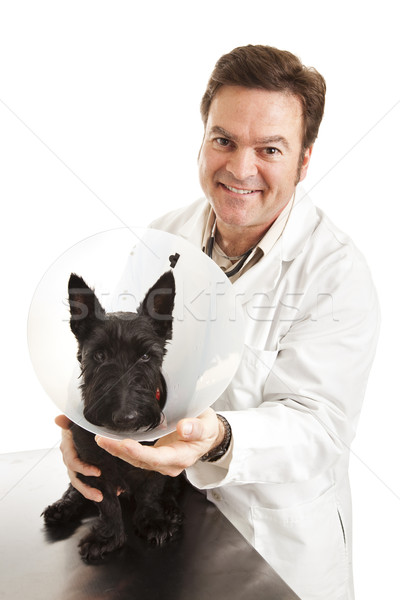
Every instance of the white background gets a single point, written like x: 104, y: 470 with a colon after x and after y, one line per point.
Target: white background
x: 100, y: 126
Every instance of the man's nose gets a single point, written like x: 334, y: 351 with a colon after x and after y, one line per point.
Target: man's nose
x: 242, y: 164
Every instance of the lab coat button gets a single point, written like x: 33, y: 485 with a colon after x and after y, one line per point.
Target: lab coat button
x: 216, y: 495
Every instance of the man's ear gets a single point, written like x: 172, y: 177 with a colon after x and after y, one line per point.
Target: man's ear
x: 158, y: 304
x: 303, y: 166
x: 84, y: 307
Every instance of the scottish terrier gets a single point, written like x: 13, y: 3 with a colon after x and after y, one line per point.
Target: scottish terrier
x: 123, y: 389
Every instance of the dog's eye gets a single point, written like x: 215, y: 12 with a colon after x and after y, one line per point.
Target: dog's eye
x: 99, y: 356
x: 145, y: 358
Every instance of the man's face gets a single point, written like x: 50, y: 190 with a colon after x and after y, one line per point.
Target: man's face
x: 251, y: 157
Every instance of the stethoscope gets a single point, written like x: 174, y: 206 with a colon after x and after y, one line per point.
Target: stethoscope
x: 210, y: 247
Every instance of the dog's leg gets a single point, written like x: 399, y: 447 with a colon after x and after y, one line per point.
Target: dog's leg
x: 70, y: 507
x: 157, y: 517
x: 107, y: 533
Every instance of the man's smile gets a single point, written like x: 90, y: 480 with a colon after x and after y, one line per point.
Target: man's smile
x: 238, y: 190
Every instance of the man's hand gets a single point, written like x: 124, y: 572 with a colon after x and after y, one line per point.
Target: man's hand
x: 74, y: 464
x: 174, y: 452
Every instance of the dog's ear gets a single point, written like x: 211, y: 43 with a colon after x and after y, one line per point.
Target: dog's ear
x: 159, y: 303
x: 84, y: 307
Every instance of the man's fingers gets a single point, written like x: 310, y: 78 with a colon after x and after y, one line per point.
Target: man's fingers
x: 78, y: 466
x: 128, y: 450
x: 152, y: 458
x: 190, y: 429
x: 74, y: 464
x: 71, y: 458
x: 87, y: 491
x: 63, y: 422
x: 68, y: 450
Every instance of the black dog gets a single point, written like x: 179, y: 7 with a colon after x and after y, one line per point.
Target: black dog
x: 123, y: 389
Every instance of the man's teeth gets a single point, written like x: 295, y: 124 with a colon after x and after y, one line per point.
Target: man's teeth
x: 236, y: 191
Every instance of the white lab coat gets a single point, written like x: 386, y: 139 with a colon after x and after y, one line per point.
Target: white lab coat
x: 311, y: 316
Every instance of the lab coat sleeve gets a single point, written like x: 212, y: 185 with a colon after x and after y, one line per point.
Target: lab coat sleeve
x: 312, y: 396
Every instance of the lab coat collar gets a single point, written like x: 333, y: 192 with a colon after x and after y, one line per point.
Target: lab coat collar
x: 193, y: 228
x: 300, y: 226
x: 264, y: 275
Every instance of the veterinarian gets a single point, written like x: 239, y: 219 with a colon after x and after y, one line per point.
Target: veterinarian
x: 275, y: 458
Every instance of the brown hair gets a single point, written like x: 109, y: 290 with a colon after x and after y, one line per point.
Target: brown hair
x: 264, y: 67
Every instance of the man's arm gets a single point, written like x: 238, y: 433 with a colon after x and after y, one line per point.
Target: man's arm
x: 310, y: 400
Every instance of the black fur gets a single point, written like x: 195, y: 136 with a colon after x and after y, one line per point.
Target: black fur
x: 122, y: 389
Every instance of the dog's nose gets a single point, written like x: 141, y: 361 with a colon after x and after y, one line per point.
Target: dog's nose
x: 124, y: 420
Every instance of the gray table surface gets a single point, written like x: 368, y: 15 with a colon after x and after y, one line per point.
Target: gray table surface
x: 210, y: 560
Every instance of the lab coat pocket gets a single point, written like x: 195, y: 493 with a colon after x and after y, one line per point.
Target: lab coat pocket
x: 305, y: 544
x: 247, y: 387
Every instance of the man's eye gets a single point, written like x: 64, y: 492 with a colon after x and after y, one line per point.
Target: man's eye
x: 222, y: 142
x: 272, y: 151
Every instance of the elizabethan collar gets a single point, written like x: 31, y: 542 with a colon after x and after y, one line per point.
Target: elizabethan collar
x: 207, y: 339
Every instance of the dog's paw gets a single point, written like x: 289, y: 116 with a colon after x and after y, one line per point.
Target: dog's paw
x: 59, y: 513
x: 158, y: 529
x: 70, y: 507
x: 94, y: 548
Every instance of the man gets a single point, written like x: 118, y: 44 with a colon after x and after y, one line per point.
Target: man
x: 275, y: 460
